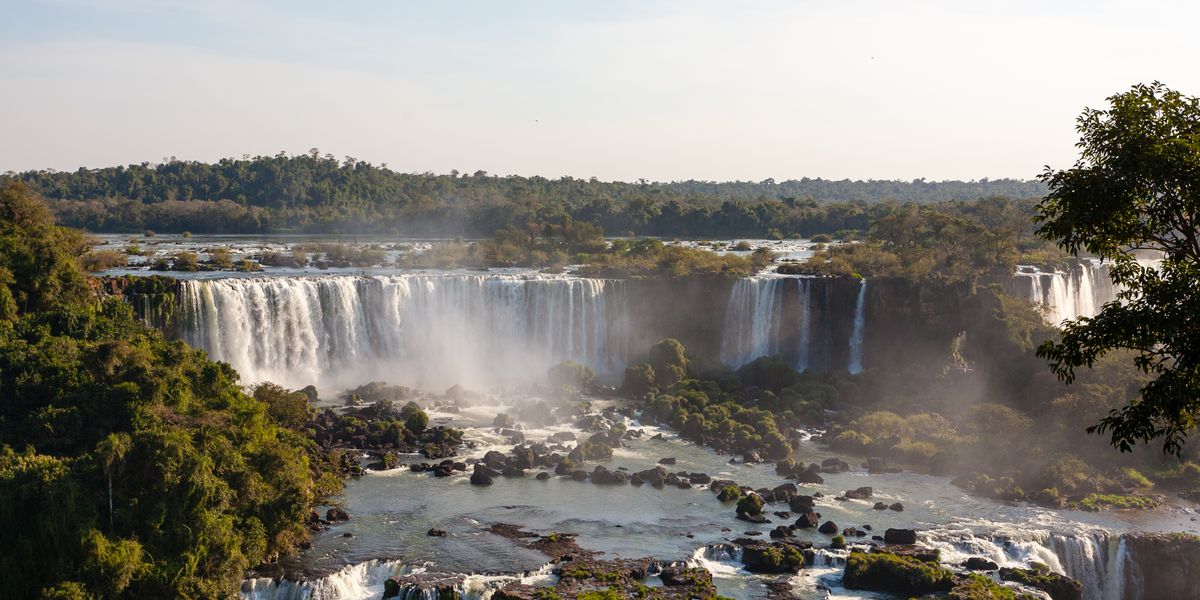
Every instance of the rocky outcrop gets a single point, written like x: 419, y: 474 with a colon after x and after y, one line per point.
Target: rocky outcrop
x: 1168, y: 564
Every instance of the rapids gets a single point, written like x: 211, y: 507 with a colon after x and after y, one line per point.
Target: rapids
x: 392, y: 510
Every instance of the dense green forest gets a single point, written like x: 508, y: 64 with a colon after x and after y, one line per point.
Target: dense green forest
x: 312, y: 193
x: 130, y: 465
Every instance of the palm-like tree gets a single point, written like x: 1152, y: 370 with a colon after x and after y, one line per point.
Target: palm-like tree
x: 111, y: 452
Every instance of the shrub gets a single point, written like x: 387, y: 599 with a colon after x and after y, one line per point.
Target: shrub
x: 895, y: 574
x: 750, y: 504
x: 102, y: 260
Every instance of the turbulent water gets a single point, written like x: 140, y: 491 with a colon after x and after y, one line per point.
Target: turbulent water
x: 392, y: 510
x: 424, y: 330
x: 1078, y: 292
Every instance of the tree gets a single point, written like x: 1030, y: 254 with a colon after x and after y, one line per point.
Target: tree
x: 111, y: 452
x: 1136, y: 187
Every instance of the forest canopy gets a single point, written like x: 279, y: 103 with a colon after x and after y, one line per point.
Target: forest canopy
x: 320, y: 194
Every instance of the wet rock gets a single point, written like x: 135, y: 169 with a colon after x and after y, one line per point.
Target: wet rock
x: 683, y: 484
x: 657, y: 436
x: 674, y: 576
x: 336, y: 514
x: 900, y: 536
x: 670, y: 460
x: 503, y: 420
x: 752, y: 457
x: 443, y: 471
x: 876, y: 465
x: 800, y: 503
x: 828, y: 528
x: 347, y: 535
x: 807, y: 520
x: 494, y: 460
x: 834, y: 465
x: 784, y: 492
x: 699, y: 478
x: 861, y: 493
x: 880, y: 506
x: 753, y: 518
x: 523, y: 457
x: 513, y: 471
x: 780, y: 532
x: 979, y: 563
x: 807, y: 475
x: 602, y: 476
x: 772, y: 557
x: 514, y: 436
x: 1060, y: 587
x: 579, y: 475
x: 896, y: 506
x: 436, y: 533
x: 782, y: 514
x: 482, y: 475
x: 542, y: 476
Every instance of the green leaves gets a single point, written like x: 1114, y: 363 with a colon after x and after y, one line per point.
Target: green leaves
x: 1135, y: 187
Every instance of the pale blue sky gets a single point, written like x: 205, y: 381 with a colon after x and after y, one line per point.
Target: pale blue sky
x: 619, y: 90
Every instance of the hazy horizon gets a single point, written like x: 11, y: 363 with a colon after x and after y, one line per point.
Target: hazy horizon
x: 663, y: 91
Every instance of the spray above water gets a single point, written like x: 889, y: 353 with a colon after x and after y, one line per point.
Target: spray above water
x: 425, y: 330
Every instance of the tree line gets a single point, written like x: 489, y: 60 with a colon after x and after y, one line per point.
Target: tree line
x: 321, y: 194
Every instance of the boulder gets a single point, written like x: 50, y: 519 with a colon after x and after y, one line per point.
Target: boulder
x: 676, y: 576
x: 900, y: 536
x: 699, y: 478
x: 807, y: 520
x: 561, y: 436
x: 800, y: 503
x: 670, y: 460
x: 336, y: 514
x: 896, y: 506
x: 861, y: 493
x: 771, y: 557
x: 435, y: 533
x: 807, y: 475
x: 494, y: 460
x: 979, y: 563
x: 876, y: 466
x: 880, y: 506
x: 828, y: 528
x: 579, y: 475
x: 542, y: 476
x: 1059, y: 587
x: 834, y: 465
x: 785, y: 492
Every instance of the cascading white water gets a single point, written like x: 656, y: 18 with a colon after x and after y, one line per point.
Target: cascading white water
x: 855, y: 364
x: 424, y: 330
x: 752, y: 321
x: 803, y: 348
x: 1065, y: 295
x: 361, y: 581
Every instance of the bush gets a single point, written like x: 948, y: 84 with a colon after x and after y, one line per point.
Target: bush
x: 750, y: 504
x: 571, y: 374
x: 902, y: 575
x: 102, y: 260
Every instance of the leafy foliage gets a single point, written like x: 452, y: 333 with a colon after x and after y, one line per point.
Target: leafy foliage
x: 1136, y: 186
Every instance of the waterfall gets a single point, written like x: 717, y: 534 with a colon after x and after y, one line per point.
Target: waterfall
x: 425, y: 330
x: 805, y: 288
x: 364, y: 580
x: 1077, y: 292
x: 752, y: 321
x: 856, y: 336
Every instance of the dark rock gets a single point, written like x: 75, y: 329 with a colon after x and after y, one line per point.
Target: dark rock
x: 800, y: 503
x: 753, y: 518
x: 785, y: 492
x: 482, y: 475
x: 900, y: 536
x: 861, y: 493
x: 494, y: 460
x: 1060, y: 587
x: 880, y: 506
x: 674, y: 576
x: 347, y: 535
x: 876, y: 466
x: 670, y: 460
x: 771, y: 557
x: 979, y: 563
x: 896, y: 506
x: 807, y: 520
x: 828, y: 528
x: 834, y: 465
x: 514, y: 436
x: 699, y: 478
x: 752, y: 457
x: 808, y: 476
x: 782, y: 514
x: 513, y: 471
x: 579, y: 475
x: 435, y: 533
x: 336, y: 514
x: 780, y: 532
x: 542, y: 476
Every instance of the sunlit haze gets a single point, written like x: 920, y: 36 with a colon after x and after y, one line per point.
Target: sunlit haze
x: 616, y: 90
